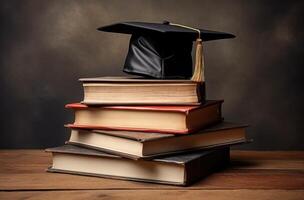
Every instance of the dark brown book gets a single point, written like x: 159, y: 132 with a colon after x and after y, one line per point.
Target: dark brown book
x: 141, y: 91
x: 176, y: 170
x: 141, y: 145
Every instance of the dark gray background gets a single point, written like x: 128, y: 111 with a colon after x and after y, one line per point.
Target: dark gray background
x: 47, y: 45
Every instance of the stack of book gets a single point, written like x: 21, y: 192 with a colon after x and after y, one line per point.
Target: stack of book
x: 146, y: 130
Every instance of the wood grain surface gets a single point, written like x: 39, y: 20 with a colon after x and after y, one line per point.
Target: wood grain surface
x: 251, y: 175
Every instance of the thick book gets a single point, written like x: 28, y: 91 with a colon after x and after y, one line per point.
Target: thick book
x: 163, y: 119
x: 141, y: 91
x: 176, y: 170
x: 141, y: 145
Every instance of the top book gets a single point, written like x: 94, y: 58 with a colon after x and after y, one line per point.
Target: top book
x: 140, y: 91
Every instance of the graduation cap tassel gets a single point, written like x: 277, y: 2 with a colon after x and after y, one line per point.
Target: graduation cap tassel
x: 198, y: 74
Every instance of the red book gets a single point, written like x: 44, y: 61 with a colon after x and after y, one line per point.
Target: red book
x: 162, y: 119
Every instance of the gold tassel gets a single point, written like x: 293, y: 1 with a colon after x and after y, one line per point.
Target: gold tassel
x: 199, y: 68
x: 199, y: 74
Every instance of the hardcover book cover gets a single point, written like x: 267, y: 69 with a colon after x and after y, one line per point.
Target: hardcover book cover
x: 191, y: 166
x: 161, y: 119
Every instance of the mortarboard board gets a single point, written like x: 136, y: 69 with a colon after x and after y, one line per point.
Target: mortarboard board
x: 163, y: 51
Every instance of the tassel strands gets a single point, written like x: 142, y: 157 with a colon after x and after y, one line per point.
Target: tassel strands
x: 199, y: 73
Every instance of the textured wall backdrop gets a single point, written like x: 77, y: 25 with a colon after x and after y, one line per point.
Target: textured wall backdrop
x: 47, y: 45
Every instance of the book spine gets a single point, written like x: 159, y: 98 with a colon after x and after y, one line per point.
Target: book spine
x: 199, y: 168
x: 201, y: 92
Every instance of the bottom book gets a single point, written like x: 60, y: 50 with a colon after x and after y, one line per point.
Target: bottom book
x: 183, y: 169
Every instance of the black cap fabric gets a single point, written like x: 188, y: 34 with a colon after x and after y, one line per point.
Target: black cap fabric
x: 161, y: 51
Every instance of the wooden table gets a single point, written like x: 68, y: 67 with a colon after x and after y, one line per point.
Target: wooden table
x: 252, y: 175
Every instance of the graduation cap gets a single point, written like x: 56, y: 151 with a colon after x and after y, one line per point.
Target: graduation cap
x: 163, y: 51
